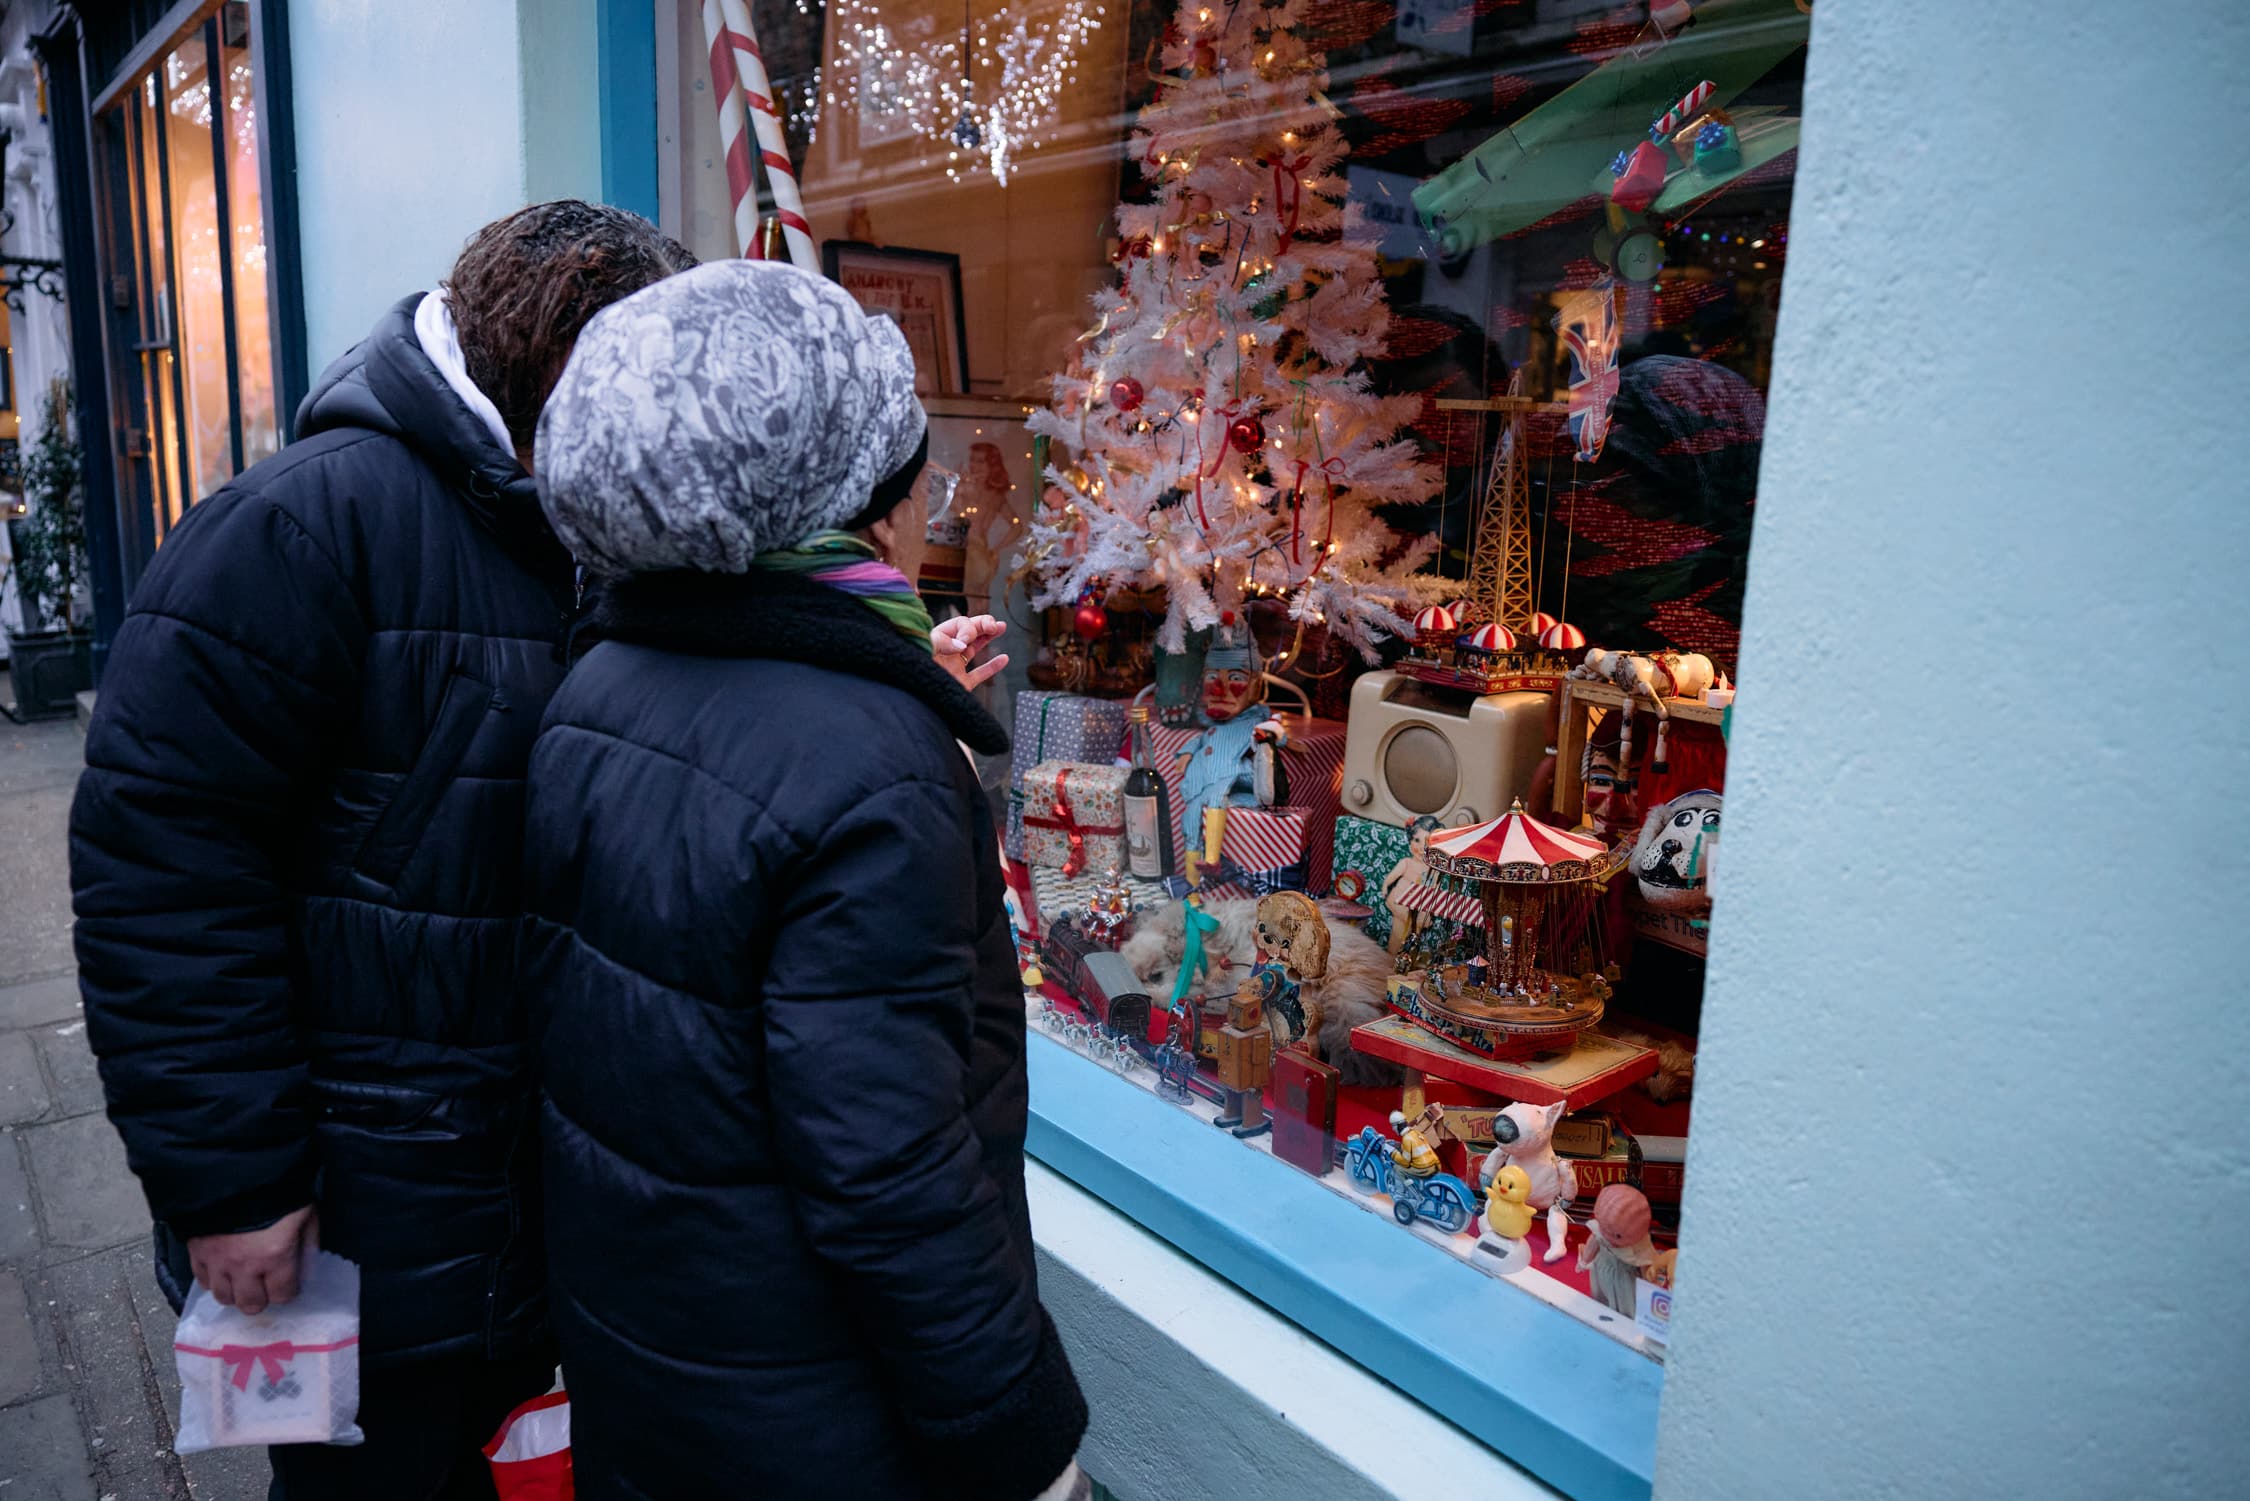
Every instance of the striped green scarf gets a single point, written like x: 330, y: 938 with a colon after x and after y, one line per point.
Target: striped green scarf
x: 843, y: 561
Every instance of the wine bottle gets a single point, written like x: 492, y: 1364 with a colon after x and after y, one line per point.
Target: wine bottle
x: 1148, y: 808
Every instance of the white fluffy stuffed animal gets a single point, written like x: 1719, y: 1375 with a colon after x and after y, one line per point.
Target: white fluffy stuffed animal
x: 1348, y: 992
x: 1526, y: 1135
x: 1159, y: 945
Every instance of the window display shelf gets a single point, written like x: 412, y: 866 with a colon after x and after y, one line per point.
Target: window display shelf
x: 1573, y: 1404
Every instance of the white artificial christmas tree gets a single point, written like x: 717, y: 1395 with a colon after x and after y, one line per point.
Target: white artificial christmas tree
x: 1217, y: 433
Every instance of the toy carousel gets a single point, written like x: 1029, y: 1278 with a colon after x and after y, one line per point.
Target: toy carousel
x: 1543, y: 977
x: 1480, y: 659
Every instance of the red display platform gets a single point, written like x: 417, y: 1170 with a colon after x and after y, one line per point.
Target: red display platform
x: 1592, y: 1070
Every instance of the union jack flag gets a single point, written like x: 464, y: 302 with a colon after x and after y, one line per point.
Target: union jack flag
x: 1588, y: 322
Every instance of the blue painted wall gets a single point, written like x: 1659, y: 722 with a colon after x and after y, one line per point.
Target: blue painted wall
x: 1968, y: 1200
x: 419, y: 121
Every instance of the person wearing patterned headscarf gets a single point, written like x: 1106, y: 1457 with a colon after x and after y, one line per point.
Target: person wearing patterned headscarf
x: 780, y: 1017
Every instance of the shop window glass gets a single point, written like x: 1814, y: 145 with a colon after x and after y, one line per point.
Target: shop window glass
x: 1440, y: 303
x: 157, y: 357
x: 246, y: 225
x: 185, y: 80
x: 184, y: 222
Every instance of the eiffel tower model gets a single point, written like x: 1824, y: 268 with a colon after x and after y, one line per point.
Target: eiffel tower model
x: 1492, y: 653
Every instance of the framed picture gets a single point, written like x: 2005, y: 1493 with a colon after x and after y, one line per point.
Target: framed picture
x: 921, y: 291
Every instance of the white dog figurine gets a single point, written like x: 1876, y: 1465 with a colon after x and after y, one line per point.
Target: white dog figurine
x: 1526, y: 1135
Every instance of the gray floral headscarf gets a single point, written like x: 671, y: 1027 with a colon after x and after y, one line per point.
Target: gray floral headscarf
x: 730, y: 410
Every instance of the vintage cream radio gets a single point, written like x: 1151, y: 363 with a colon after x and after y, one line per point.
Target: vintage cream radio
x: 1415, y: 748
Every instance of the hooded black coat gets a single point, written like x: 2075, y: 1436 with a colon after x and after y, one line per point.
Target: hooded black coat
x: 782, y: 1035
x: 295, y: 854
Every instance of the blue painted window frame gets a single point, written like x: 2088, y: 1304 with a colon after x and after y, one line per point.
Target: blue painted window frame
x: 625, y: 45
x: 1570, y: 1405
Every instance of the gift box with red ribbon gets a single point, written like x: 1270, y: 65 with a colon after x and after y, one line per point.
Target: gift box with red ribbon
x: 1053, y: 726
x: 1313, y: 762
x: 1074, y: 816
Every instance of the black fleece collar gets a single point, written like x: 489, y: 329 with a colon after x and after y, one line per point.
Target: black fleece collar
x: 784, y: 618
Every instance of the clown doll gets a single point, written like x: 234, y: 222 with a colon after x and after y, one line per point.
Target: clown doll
x: 1234, y: 762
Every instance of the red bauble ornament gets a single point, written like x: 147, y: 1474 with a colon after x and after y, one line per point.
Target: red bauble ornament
x: 1090, y: 620
x: 1126, y: 394
x: 1247, y: 434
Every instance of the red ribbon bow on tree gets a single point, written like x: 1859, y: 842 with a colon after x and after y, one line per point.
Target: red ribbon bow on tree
x: 1288, y: 196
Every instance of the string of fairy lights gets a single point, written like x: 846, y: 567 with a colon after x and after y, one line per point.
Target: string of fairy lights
x: 984, y: 93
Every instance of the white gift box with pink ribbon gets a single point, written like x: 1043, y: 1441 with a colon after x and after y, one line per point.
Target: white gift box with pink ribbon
x: 286, y: 1375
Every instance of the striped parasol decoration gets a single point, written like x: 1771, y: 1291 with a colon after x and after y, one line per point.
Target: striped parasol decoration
x: 1562, y: 636
x: 1436, y: 621
x: 1517, y: 849
x: 1493, y: 637
x: 1541, y: 624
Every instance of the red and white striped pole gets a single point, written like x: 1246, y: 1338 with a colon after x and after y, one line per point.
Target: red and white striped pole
x: 765, y: 119
x: 734, y: 134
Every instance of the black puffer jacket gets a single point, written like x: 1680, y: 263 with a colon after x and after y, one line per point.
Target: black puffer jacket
x: 295, y: 852
x: 783, y: 1043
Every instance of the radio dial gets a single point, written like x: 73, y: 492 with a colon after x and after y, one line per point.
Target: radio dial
x: 1360, y: 793
x: 1464, y: 815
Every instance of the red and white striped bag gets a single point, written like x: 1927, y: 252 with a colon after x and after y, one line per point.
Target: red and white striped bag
x: 531, y: 1453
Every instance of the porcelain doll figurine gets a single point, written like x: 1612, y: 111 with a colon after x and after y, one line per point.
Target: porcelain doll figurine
x: 1617, y: 1245
x: 1407, y: 922
x: 1234, y: 761
x: 1526, y: 1135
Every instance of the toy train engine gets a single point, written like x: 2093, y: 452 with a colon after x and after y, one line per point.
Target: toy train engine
x: 1099, y: 980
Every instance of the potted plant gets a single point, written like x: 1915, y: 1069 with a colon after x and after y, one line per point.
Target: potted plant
x: 50, y: 659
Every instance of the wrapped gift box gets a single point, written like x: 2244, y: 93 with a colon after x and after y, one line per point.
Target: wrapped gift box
x: 1365, y: 851
x: 1269, y: 846
x: 1074, y: 816
x: 1058, y: 727
x: 1314, y: 765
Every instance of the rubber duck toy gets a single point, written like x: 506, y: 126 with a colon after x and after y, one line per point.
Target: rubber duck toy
x: 1505, y: 1212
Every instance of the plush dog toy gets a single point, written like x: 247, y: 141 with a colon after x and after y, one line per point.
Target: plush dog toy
x: 1526, y: 1135
x: 1341, y: 976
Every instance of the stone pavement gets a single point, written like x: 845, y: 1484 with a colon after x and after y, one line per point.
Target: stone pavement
x: 88, y: 1398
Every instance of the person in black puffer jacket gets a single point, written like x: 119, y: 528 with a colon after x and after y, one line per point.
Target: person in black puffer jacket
x: 295, y: 853
x: 780, y: 1018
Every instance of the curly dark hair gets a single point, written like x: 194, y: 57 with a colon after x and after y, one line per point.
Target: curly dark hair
x: 525, y: 285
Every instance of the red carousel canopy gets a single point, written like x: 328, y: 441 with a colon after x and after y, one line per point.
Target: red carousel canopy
x: 1437, y: 620
x: 1492, y: 637
x: 1562, y: 636
x: 1516, y: 847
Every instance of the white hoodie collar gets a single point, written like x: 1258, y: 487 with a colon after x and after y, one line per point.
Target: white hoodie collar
x: 433, y: 327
